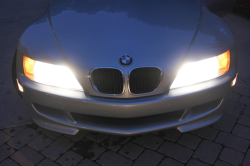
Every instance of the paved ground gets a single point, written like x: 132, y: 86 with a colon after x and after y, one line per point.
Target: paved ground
x: 22, y: 143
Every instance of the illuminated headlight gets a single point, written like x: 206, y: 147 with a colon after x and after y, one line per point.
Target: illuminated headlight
x: 195, y: 72
x: 49, y: 74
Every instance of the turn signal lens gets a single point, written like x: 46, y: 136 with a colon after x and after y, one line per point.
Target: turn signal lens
x: 28, y: 67
x: 224, y: 62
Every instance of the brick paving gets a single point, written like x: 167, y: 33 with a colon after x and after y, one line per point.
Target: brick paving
x: 231, y: 156
x: 225, y: 143
x: 207, y: 151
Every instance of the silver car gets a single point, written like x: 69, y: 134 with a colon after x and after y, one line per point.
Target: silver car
x: 125, y: 67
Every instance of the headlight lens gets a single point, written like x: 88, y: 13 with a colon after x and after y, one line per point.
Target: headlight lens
x: 54, y: 75
x: 195, y: 72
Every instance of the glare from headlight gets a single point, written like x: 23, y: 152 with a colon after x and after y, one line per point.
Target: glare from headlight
x: 195, y: 72
x: 234, y: 80
x: 20, y: 87
x: 49, y: 74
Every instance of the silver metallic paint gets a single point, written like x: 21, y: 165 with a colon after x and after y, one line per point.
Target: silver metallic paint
x: 171, y: 33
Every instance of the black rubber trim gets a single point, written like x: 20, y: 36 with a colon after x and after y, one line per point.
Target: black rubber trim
x: 14, y: 76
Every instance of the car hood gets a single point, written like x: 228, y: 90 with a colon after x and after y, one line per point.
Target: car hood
x: 96, y: 33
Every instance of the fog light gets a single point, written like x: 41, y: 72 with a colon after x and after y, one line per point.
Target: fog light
x: 20, y: 87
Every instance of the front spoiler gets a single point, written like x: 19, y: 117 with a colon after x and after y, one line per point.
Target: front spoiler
x: 53, y: 108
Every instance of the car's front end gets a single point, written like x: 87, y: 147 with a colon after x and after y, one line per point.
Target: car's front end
x: 123, y: 69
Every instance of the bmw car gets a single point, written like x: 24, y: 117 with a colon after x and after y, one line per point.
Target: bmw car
x: 125, y: 67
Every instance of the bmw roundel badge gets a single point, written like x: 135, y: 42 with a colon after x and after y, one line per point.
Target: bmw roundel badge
x: 125, y: 60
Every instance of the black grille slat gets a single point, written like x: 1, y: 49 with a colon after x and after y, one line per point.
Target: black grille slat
x: 108, y: 81
x: 144, y: 80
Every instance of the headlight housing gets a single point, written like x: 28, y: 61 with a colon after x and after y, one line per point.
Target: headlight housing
x: 49, y: 74
x: 195, y: 72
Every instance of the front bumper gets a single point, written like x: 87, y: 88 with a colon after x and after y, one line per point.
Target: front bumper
x: 186, y: 108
